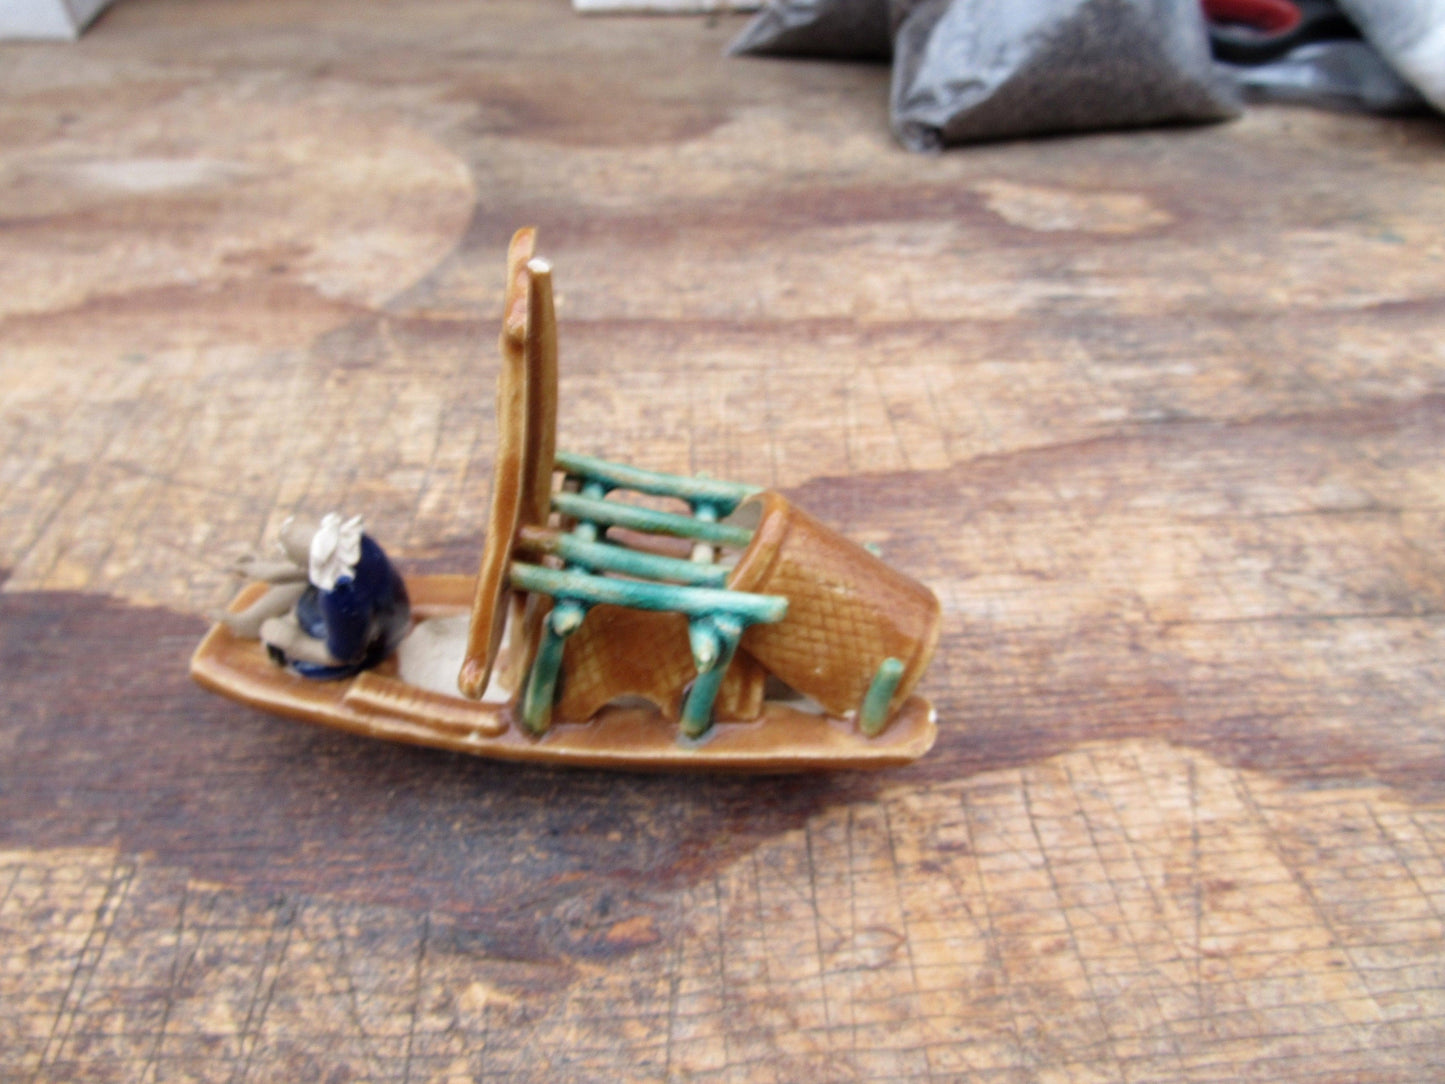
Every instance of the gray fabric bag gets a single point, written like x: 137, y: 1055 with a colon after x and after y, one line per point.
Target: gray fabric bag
x: 969, y: 70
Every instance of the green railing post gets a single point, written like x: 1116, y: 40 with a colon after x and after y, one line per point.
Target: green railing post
x: 873, y: 712
x: 541, y: 690
x: 714, y: 641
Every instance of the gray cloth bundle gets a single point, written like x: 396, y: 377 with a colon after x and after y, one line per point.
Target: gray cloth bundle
x: 968, y: 70
x: 842, y: 29
x: 1410, y: 34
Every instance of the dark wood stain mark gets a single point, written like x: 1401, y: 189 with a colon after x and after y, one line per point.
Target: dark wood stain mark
x: 109, y: 744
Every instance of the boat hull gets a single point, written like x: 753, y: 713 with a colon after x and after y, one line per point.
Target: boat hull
x: 634, y: 738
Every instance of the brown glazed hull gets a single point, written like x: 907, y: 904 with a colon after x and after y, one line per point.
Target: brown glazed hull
x: 379, y: 705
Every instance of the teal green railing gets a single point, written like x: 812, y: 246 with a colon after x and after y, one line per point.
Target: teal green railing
x: 597, y: 570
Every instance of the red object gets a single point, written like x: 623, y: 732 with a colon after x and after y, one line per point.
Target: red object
x: 1266, y: 16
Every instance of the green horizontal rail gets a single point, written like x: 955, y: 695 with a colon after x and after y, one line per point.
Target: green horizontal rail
x: 605, y: 557
x: 725, y: 495
x: 692, y: 601
x: 650, y: 520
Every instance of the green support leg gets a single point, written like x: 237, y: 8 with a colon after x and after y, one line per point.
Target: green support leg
x: 541, y: 691
x: 714, y: 640
x: 873, y: 714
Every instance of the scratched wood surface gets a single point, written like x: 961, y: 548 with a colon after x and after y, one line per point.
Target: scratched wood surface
x: 1160, y: 417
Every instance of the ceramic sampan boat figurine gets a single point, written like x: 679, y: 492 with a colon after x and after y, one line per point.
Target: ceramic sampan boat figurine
x: 730, y: 632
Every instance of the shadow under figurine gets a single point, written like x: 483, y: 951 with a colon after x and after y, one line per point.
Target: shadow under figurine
x: 618, y: 618
x: 336, y: 605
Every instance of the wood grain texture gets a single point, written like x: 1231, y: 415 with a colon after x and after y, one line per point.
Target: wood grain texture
x: 1159, y: 416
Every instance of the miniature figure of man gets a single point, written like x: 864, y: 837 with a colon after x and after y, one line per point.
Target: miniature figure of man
x: 336, y: 607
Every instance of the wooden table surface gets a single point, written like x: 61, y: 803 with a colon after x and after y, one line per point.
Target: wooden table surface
x: 1159, y: 416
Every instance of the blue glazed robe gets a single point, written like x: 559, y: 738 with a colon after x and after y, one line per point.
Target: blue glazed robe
x: 361, y: 619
